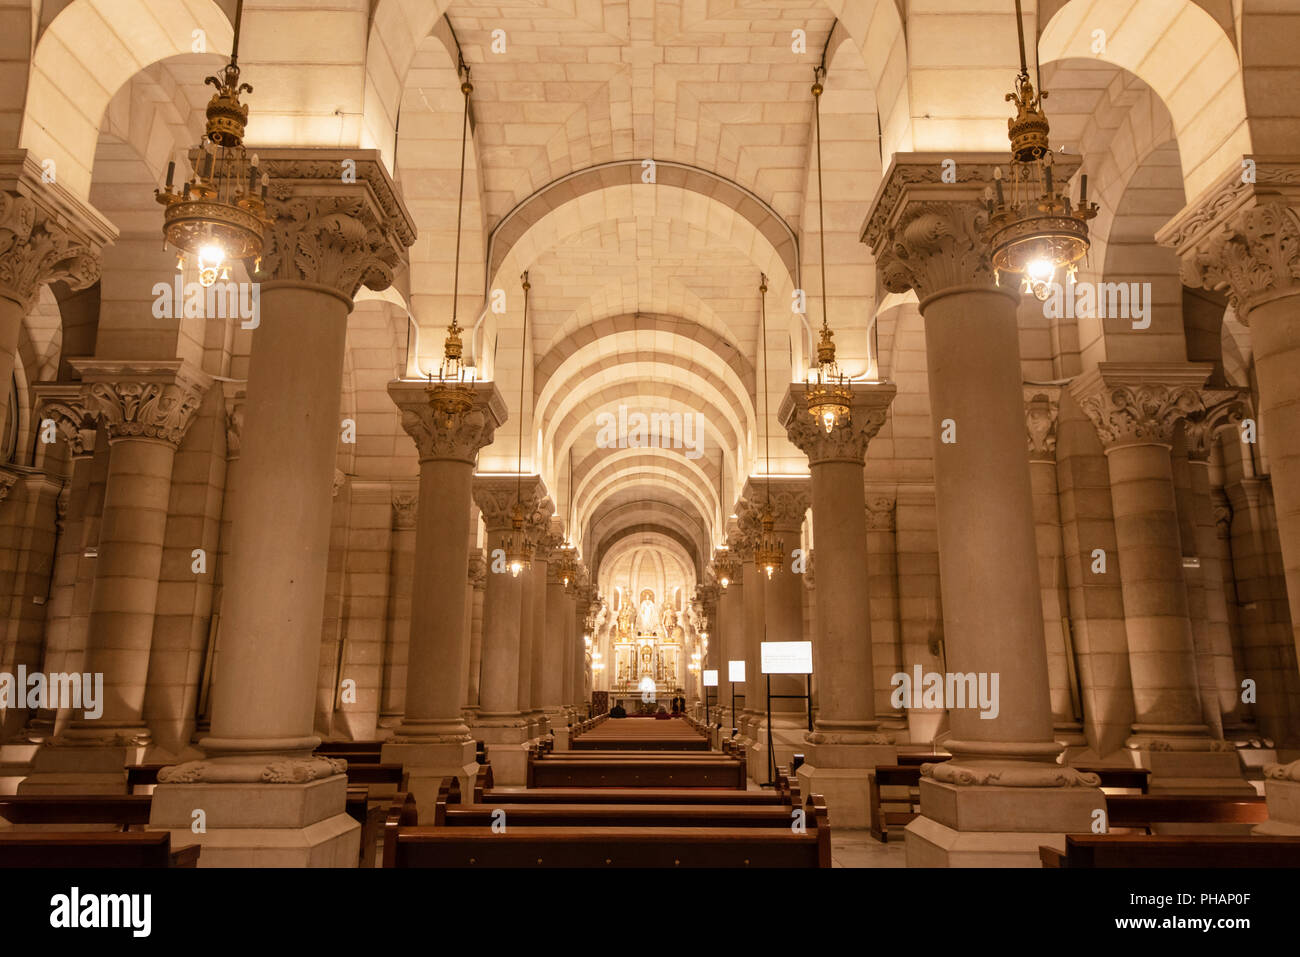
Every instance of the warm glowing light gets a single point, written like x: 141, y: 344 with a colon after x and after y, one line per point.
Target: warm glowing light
x: 828, y: 421
x: 212, y: 259
x: 515, y: 568
x: 770, y: 569
x: 725, y: 581
x: 1039, y: 274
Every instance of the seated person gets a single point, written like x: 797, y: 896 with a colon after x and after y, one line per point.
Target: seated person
x: 661, y: 714
x: 618, y: 711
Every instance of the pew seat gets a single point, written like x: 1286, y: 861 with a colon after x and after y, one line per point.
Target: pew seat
x: 123, y: 810
x: 134, y: 849
x: 1182, y: 851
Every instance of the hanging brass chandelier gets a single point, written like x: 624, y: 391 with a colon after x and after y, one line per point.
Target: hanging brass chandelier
x: 724, y: 567
x: 219, y: 216
x: 452, y: 393
x: 518, y: 546
x: 1034, y: 230
x: 827, y: 393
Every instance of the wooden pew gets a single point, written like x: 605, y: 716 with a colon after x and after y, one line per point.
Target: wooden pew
x: 1182, y: 851
x: 135, y: 849
x: 123, y: 810
x: 711, y: 771
x: 619, y: 807
x: 898, y: 811
x: 1146, y: 810
x: 406, y: 844
x: 332, y: 748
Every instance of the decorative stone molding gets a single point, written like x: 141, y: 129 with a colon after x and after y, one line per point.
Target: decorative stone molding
x: 441, y: 435
x: 1223, y: 521
x: 926, y: 234
x: 328, y: 232
x: 789, y: 497
x: 1042, y: 411
x: 477, y: 571
x: 7, y: 481
x: 547, y: 540
x: 235, y: 395
x: 1221, y: 409
x: 1140, y: 404
x: 1242, y: 237
x: 880, y: 513
x: 46, y: 234
x: 340, y: 479
x: 155, y: 400
x: 61, y: 505
x: 405, y: 508
x: 1026, y: 775
x: 846, y: 442
x: 1283, y: 772
x: 495, y: 495
x: 65, y: 405
x: 274, y: 771
x: 850, y: 737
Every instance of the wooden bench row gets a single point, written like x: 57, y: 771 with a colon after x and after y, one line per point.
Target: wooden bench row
x: 94, y: 849
x: 605, y: 835
x: 598, y: 769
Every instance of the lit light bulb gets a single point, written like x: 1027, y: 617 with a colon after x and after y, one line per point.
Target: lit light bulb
x: 211, y: 260
x: 725, y: 581
x: 770, y: 570
x: 516, y: 568
x: 828, y: 421
x: 1038, y: 277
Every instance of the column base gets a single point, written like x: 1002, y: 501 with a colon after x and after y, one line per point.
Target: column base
x: 787, y: 740
x: 16, y: 760
x: 507, y: 743
x: 255, y: 824
x: 1201, y: 766
x: 841, y: 774
x: 426, y: 763
x: 80, y: 769
x: 1282, y: 794
x: 990, y: 825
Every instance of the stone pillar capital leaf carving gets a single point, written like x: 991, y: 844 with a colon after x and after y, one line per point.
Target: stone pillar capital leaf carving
x: 405, y: 508
x: 155, y: 401
x: 338, y: 222
x: 39, y: 244
x: 1140, y: 404
x: 496, y: 495
x: 442, y: 433
x: 1221, y: 408
x: 848, y: 441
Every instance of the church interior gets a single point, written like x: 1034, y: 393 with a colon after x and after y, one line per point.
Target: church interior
x: 649, y: 433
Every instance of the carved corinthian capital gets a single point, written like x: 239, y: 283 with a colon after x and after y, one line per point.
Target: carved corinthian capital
x: 338, y: 221
x: 495, y: 495
x: 405, y: 505
x: 846, y: 442
x: 46, y: 234
x: 63, y: 404
x: 1140, y: 404
x: 789, y: 497
x: 1220, y: 409
x: 926, y: 224
x: 880, y: 513
x: 1042, y: 409
x: 443, y: 435
x: 1242, y: 235
x: 143, y: 401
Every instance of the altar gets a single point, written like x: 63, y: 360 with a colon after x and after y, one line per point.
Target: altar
x: 648, y: 649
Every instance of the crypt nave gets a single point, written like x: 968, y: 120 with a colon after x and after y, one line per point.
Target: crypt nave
x: 520, y: 403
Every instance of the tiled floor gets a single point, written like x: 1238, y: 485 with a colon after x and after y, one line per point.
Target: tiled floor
x: 860, y: 849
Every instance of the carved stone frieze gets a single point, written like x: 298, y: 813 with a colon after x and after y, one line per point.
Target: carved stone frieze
x: 1042, y: 410
x: 143, y: 401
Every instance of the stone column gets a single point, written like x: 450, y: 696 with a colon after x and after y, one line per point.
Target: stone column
x: 1135, y: 409
x: 62, y: 404
x: 501, y: 723
x: 147, y: 408
x: 846, y: 743
x: 268, y: 801
x: 477, y: 579
x: 752, y: 630
x: 546, y: 540
x: 432, y: 741
x: 397, y: 640
x: 1002, y: 795
x: 732, y: 612
x: 1042, y: 412
x: 46, y: 235
x: 1242, y: 235
x: 555, y: 640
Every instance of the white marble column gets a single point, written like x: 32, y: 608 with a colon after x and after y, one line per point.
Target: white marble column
x: 1002, y: 795
x: 502, y: 723
x: 1244, y: 237
x: 846, y: 743
x: 432, y: 741
x: 268, y: 801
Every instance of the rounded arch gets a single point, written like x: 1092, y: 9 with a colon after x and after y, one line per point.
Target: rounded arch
x: 104, y: 42
x: 1182, y: 53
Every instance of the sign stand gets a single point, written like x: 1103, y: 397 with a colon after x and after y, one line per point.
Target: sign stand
x: 785, y: 658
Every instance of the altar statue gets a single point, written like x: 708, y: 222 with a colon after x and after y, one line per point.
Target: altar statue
x: 647, y: 623
x: 625, y: 622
